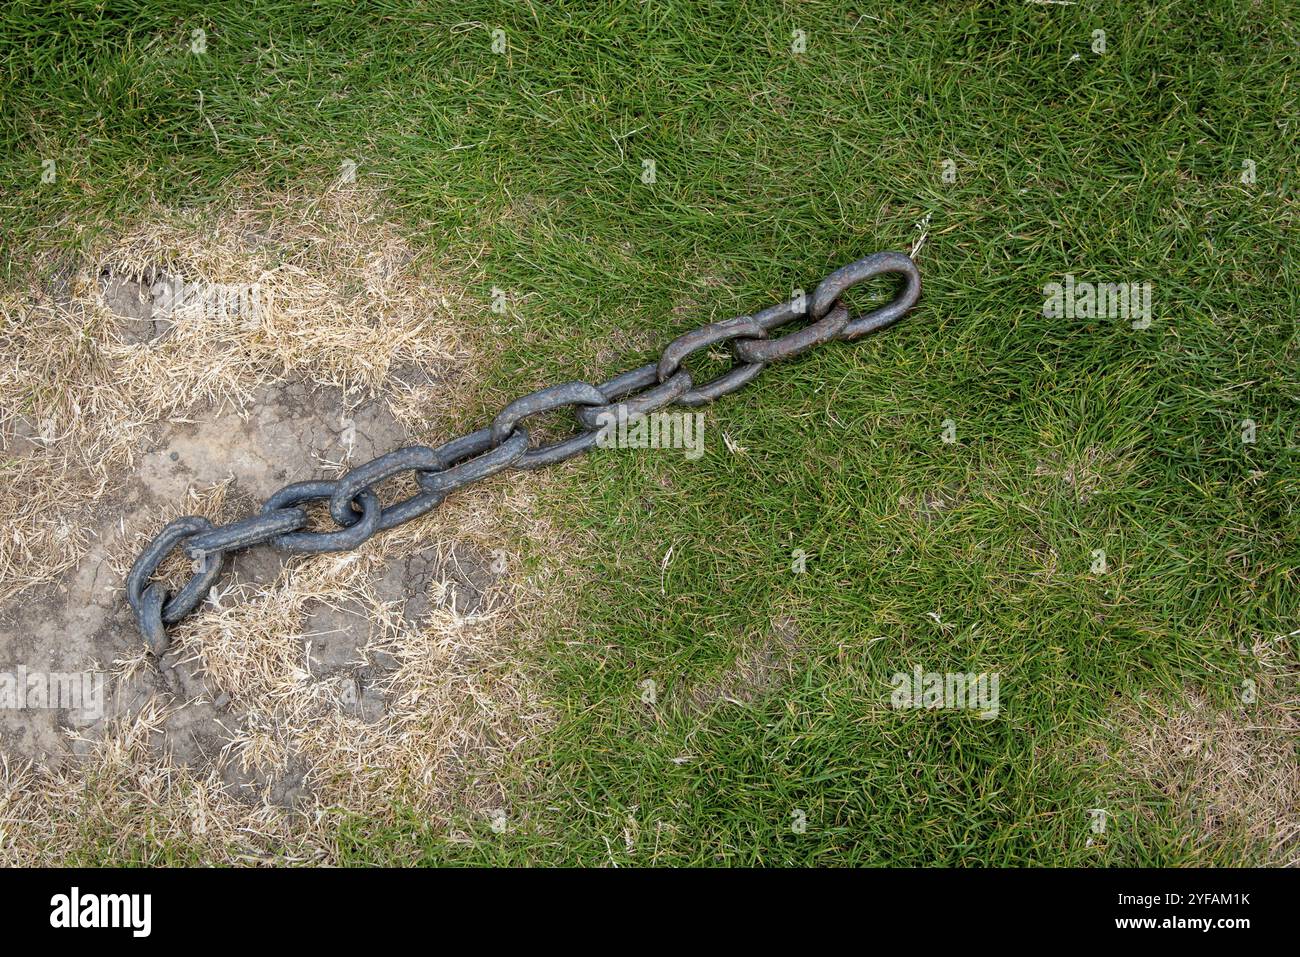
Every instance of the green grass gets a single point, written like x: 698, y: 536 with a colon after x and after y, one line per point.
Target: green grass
x: 771, y: 169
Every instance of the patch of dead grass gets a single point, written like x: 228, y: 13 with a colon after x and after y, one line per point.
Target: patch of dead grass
x: 1232, y: 774
x: 461, y: 706
x: 763, y: 664
x: 347, y: 303
x: 342, y: 300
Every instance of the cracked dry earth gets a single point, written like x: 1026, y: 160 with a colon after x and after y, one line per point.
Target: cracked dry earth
x: 81, y: 622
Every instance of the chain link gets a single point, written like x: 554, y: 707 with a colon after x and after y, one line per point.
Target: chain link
x: 354, y: 504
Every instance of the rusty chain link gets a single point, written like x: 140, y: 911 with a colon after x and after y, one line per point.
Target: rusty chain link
x: 354, y: 504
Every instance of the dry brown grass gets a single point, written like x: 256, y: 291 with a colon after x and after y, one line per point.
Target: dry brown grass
x: 343, y: 300
x: 461, y: 708
x: 346, y: 302
x: 1232, y: 774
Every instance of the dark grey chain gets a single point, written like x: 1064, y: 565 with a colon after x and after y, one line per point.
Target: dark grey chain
x: 356, y: 509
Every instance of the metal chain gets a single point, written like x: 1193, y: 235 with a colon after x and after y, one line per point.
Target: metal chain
x: 354, y: 505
